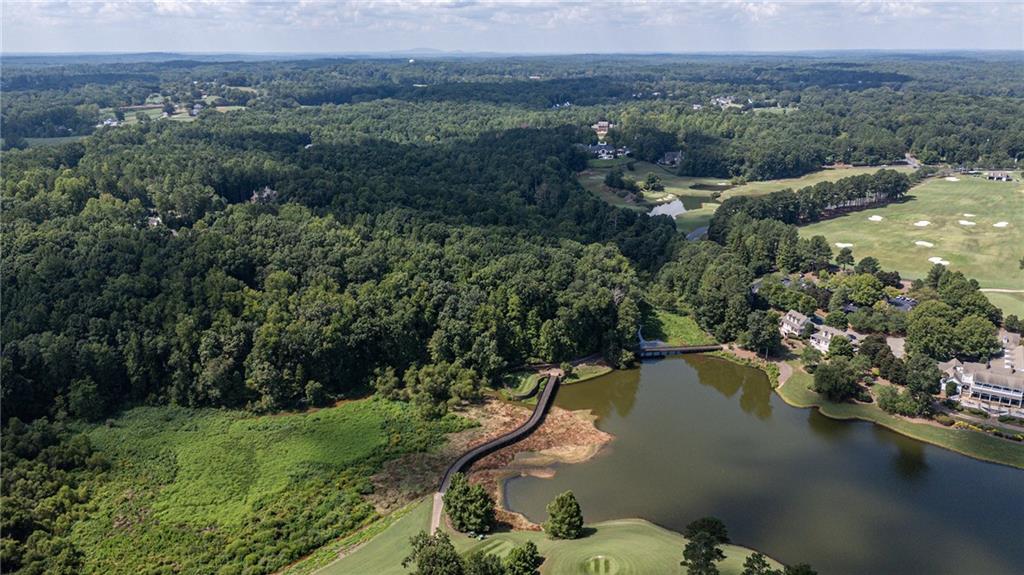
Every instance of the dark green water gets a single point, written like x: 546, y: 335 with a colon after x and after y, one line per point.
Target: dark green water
x: 701, y: 436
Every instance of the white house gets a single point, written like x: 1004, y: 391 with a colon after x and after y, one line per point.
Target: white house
x: 793, y: 323
x: 996, y: 386
x: 821, y: 339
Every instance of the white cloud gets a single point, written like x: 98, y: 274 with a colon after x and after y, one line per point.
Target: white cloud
x: 483, y: 25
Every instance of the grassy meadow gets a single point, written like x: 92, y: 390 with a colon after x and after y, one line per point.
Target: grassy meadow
x: 674, y: 329
x: 212, y: 491
x: 798, y: 393
x: 620, y: 547
x: 982, y: 251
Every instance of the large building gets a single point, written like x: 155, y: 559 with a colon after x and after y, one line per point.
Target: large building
x: 996, y: 386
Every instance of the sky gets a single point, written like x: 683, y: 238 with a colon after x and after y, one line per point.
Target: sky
x: 538, y: 26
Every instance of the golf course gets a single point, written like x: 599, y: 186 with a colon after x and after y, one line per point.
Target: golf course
x: 620, y: 547
x: 966, y: 222
x: 700, y: 195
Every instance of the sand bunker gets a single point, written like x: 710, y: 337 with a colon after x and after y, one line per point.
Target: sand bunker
x: 875, y: 218
x: 922, y: 223
x: 965, y: 223
x: 938, y: 260
x: 968, y: 215
x: 842, y: 245
x: 924, y: 244
x: 952, y: 179
x: 1000, y: 224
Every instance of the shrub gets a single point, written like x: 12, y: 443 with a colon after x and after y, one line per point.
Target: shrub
x: 944, y: 419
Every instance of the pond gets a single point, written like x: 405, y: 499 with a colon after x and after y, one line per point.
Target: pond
x: 697, y: 435
x: 673, y: 209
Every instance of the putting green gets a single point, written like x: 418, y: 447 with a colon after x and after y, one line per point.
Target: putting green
x: 974, y: 224
x: 621, y: 547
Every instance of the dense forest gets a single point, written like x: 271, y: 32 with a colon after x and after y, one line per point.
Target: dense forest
x: 414, y: 228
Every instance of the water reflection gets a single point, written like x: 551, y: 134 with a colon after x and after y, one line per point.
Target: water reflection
x: 616, y: 394
x: 673, y: 208
x: 827, y: 428
x: 909, y: 457
x: 847, y: 497
x: 755, y: 397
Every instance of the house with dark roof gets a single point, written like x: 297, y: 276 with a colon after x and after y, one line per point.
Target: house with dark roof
x: 671, y: 158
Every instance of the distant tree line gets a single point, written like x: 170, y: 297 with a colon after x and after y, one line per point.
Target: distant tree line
x: 812, y: 203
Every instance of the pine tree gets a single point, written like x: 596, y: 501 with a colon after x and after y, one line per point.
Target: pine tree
x: 523, y: 560
x: 701, y: 553
x: 565, y: 518
x: 470, y: 508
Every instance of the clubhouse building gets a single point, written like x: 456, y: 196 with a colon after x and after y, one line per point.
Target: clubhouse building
x: 996, y: 386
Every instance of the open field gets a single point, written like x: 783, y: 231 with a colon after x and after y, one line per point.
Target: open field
x: 674, y: 329
x: 982, y: 251
x: 621, y: 547
x: 202, y: 488
x: 797, y: 393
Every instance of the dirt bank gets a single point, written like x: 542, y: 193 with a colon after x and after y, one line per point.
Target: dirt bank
x: 565, y: 436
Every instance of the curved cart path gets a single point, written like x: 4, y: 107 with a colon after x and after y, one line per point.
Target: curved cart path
x: 544, y: 402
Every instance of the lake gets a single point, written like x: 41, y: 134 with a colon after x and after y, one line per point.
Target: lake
x: 697, y: 435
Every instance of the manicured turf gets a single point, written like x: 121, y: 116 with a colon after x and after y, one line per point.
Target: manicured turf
x: 674, y: 329
x: 622, y: 547
x: 1010, y: 303
x: 200, y: 488
x: 585, y: 372
x: 521, y: 384
x: 797, y: 392
x: 827, y: 175
x: 696, y: 218
x: 982, y: 251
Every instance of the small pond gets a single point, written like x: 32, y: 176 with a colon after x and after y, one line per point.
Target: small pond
x: 698, y: 436
x: 673, y: 209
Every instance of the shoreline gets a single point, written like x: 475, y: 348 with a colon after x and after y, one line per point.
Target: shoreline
x: 564, y: 437
x: 827, y: 410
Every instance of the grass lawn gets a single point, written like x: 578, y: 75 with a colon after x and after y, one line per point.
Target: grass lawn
x: 521, y: 384
x: 698, y: 218
x: 982, y: 251
x: 1010, y: 303
x: 674, y: 329
x: 586, y: 371
x: 826, y: 175
x: 621, y: 547
x: 198, y: 489
x: 797, y: 392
